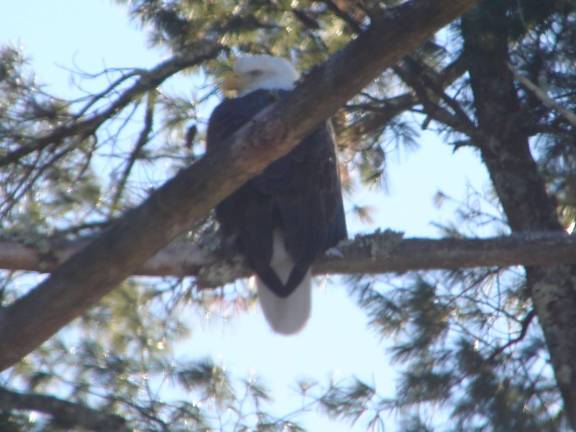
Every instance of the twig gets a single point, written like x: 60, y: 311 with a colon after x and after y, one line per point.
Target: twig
x: 543, y: 96
x: 148, y: 80
x: 392, y: 107
x: 523, y: 331
x: 135, y: 153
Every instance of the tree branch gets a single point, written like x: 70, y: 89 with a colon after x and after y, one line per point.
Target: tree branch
x: 148, y: 80
x: 525, y: 325
x: 543, y: 96
x: 94, y: 271
x: 64, y: 413
x: 385, y: 252
x: 431, y: 94
x: 143, y: 139
x: 392, y: 107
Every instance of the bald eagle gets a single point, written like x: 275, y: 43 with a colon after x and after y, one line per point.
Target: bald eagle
x: 283, y: 218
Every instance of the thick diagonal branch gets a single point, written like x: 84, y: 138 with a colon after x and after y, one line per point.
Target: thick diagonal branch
x: 83, y: 279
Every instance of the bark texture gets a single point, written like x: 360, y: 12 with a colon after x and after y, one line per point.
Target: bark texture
x: 520, y: 188
x: 94, y: 271
x: 383, y: 252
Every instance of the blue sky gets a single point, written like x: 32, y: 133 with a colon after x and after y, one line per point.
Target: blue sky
x: 66, y: 34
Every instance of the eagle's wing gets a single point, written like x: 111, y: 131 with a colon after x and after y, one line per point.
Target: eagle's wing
x: 311, y: 211
x: 298, y: 194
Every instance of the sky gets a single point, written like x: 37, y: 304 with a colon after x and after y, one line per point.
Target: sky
x: 61, y: 35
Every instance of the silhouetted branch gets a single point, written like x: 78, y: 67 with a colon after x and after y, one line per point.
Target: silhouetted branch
x: 142, y: 140
x: 65, y: 414
x: 525, y: 325
x: 147, y: 80
x: 83, y: 279
x: 392, y: 107
x: 543, y: 96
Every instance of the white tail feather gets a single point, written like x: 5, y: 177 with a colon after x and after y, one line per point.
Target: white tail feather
x: 285, y: 315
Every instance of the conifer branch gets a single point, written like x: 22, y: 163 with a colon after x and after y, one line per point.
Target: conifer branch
x: 541, y: 94
x: 83, y: 279
x: 65, y: 414
x: 148, y: 79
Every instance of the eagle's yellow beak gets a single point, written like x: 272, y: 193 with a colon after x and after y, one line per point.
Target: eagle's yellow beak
x: 233, y: 82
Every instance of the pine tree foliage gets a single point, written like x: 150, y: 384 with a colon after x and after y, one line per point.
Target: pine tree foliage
x: 472, y: 347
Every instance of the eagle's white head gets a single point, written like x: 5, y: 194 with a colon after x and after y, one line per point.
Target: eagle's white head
x: 260, y: 72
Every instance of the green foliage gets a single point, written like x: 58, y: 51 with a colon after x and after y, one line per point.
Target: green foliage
x: 466, y: 343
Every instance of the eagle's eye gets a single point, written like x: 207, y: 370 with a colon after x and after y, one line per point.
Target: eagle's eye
x: 255, y: 73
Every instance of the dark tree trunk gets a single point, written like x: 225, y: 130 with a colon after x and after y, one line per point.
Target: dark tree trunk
x: 520, y: 188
